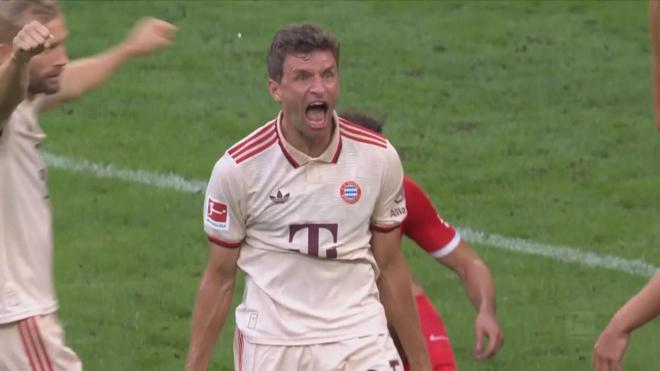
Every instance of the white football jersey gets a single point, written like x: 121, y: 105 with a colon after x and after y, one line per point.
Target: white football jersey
x: 26, y: 238
x: 304, y: 227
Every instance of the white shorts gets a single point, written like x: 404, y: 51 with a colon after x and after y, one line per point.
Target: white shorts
x: 368, y: 353
x: 36, y: 344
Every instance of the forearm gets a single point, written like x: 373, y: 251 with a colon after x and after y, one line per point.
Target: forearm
x: 396, y: 295
x: 84, y: 75
x: 211, y: 308
x: 479, y: 285
x: 642, y: 308
x: 13, y: 86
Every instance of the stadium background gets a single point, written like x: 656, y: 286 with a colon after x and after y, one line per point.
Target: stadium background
x: 530, y: 120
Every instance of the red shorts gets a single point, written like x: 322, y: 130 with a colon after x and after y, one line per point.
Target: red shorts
x: 437, y: 341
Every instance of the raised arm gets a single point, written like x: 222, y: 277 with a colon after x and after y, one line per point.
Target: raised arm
x: 84, y: 75
x: 31, y: 40
x: 214, y: 296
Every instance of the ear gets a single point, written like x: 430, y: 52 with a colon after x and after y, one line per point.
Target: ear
x: 274, y: 89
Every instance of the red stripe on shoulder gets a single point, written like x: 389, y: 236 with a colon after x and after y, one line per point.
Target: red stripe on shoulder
x: 256, y: 150
x: 359, y: 129
x: 362, y: 139
x: 250, y: 149
x: 223, y: 243
x: 258, y: 136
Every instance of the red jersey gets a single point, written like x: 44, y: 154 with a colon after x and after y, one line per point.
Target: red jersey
x: 424, y: 225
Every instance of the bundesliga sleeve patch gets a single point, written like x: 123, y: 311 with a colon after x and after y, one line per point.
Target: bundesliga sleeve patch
x: 350, y: 192
x: 217, y: 214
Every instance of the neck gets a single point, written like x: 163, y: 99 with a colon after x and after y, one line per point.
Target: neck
x: 312, y: 144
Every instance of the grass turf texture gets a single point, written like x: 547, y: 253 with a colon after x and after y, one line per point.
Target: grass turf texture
x: 525, y: 119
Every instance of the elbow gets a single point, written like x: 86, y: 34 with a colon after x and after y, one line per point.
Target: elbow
x: 470, y: 268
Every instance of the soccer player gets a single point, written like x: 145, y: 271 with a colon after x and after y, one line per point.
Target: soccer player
x: 34, y: 75
x: 308, y: 206
x: 437, y: 237
x: 613, y: 341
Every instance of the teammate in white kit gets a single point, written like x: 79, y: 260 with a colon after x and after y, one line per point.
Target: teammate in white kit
x: 309, y: 207
x: 33, y: 77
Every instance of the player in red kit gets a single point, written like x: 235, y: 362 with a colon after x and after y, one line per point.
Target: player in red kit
x: 438, y: 238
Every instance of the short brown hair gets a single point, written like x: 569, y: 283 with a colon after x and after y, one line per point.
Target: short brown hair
x: 14, y: 14
x: 298, y: 38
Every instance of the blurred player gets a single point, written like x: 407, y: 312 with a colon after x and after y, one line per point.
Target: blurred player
x: 309, y: 207
x: 34, y: 75
x: 613, y: 341
x: 425, y: 226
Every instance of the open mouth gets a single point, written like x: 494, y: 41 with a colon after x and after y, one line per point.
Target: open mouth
x: 316, y: 113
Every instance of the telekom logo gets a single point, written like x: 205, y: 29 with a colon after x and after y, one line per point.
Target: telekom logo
x: 313, y: 241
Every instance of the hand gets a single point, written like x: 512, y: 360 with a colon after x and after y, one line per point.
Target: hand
x: 486, y: 326
x: 609, y: 349
x: 31, y: 40
x: 149, y: 35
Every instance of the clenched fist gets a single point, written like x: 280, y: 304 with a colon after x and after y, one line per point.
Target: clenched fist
x: 31, y: 40
x: 149, y: 35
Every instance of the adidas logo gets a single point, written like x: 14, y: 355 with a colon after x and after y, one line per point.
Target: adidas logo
x: 279, y: 198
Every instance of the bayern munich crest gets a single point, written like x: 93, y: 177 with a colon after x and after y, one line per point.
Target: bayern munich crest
x: 350, y: 192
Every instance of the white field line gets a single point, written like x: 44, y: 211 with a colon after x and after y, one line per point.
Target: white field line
x: 169, y: 181
x: 564, y: 254
x: 561, y: 253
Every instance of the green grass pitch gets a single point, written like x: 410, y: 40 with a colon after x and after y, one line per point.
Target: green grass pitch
x: 525, y: 119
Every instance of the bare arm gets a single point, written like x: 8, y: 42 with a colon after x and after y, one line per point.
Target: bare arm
x: 214, y: 296
x: 87, y: 74
x: 642, y: 308
x: 31, y: 40
x: 13, y: 87
x: 479, y: 285
x: 394, y: 286
x: 474, y: 274
x: 654, y: 28
x: 613, y: 341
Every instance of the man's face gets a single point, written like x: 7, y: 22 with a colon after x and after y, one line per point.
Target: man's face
x: 308, y: 91
x: 47, y: 66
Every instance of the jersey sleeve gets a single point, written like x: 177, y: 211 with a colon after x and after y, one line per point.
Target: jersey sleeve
x: 390, y: 210
x: 425, y: 226
x: 224, y: 205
